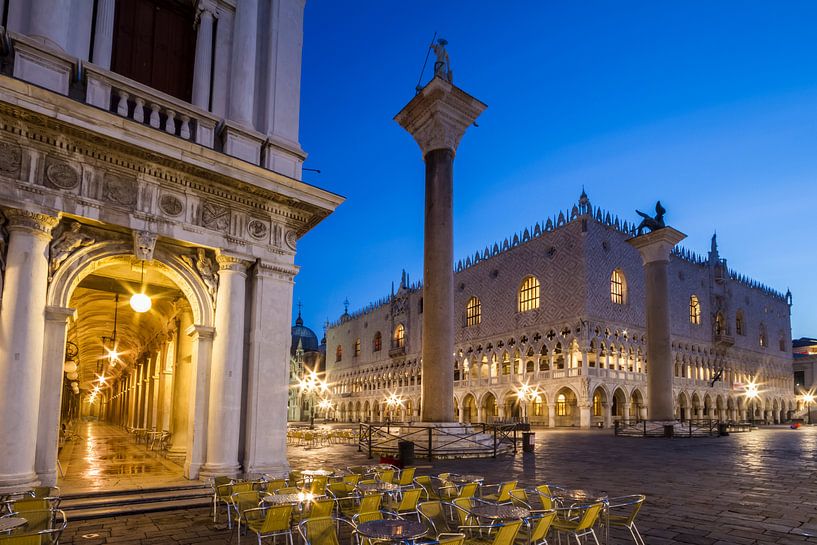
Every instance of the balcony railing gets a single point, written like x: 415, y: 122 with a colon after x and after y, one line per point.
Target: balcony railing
x: 724, y: 339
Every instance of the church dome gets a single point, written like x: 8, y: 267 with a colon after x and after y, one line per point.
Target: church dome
x: 304, y: 335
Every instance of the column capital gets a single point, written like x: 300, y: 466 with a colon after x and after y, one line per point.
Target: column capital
x: 232, y: 263
x: 201, y: 332
x: 60, y: 314
x: 438, y: 115
x: 32, y: 222
x: 206, y: 8
x: 282, y: 271
x: 656, y: 245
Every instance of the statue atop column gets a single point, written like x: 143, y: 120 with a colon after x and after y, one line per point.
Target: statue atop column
x: 650, y: 222
x: 442, y: 66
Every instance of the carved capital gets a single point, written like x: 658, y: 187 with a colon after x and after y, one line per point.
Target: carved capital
x: 144, y: 242
x: 232, y: 263
x: 31, y: 222
x: 438, y: 115
x: 277, y: 270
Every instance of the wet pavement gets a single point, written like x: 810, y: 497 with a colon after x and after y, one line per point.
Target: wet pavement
x: 105, y: 457
x: 748, y: 488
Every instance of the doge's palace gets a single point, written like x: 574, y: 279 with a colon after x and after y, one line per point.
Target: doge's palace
x: 151, y: 202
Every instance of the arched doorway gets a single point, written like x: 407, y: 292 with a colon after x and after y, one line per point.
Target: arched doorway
x: 566, y: 408
x: 598, y: 410
x: 133, y: 392
x: 619, y: 407
x: 490, y: 410
x: 469, y: 409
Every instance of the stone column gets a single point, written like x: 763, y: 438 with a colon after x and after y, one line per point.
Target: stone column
x: 103, y: 33
x: 181, y: 387
x: 551, y: 415
x: 202, y: 68
x: 265, y: 449
x: 242, y: 67
x: 201, y: 356
x: 655, y: 248
x: 607, y: 409
x: 437, y: 118
x: 168, y: 379
x: 49, y: 22
x: 585, y: 417
x: 22, y: 328
x: 226, y: 377
x: 51, y: 387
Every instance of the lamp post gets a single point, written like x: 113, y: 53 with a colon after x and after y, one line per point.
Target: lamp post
x: 392, y: 402
x: 311, y: 385
x: 525, y: 395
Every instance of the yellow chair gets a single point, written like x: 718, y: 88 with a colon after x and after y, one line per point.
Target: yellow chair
x: 321, y: 508
x: 243, y: 501
x: 275, y: 522
x: 352, y: 479
x: 272, y: 486
x: 323, y: 531
x: 406, y: 478
x: 318, y: 485
x: 287, y: 490
x: 622, y: 513
x: 369, y: 503
x: 578, y: 521
x: 386, y: 476
x: 519, y: 497
x: 407, y: 504
x: 222, y: 490
x: 30, y: 504
x: 538, y: 528
x: 468, y: 490
x: 504, y: 534
x: 44, y: 527
x: 503, y: 493
x: 451, y: 539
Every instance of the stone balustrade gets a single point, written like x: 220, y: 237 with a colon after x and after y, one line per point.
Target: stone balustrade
x: 145, y: 105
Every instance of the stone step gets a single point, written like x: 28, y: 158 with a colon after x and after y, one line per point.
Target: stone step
x: 86, y: 506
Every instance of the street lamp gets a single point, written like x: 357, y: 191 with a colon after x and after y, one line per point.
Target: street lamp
x: 525, y: 394
x: 325, y: 405
x: 808, y: 398
x: 393, y: 401
x: 752, y: 394
x: 311, y: 385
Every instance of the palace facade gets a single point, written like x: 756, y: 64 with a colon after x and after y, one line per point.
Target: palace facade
x: 151, y: 202
x: 557, y: 312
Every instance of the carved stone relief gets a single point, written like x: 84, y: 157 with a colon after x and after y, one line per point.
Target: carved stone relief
x: 215, y: 216
x: 291, y: 239
x: 11, y: 158
x: 60, y: 175
x: 119, y: 190
x: 257, y: 229
x: 277, y: 236
x: 144, y: 242
x: 204, y: 266
x: 69, y: 241
x: 171, y: 204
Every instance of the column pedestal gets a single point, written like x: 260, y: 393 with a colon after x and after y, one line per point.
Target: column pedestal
x: 655, y: 248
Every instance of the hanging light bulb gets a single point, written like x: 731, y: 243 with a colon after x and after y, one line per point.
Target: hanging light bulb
x: 69, y: 366
x: 72, y: 376
x: 140, y: 302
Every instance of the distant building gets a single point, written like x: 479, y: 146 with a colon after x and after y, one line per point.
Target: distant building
x: 560, y: 307
x: 306, y: 354
x: 805, y: 364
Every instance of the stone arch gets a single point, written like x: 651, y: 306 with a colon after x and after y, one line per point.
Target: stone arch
x: 566, y: 412
x: 88, y: 260
x: 619, y: 402
x: 683, y: 406
x: 638, y: 408
x: 599, y: 401
x: 489, y: 406
x: 469, y: 412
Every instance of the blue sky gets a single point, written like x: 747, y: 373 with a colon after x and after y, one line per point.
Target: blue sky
x: 709, y: 106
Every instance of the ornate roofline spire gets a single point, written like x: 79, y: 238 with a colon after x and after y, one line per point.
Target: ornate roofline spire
x: 299, y: 320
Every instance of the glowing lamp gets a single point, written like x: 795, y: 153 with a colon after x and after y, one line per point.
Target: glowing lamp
x: 140, y: 302
x: 72, y: 376
x: 69, y: 367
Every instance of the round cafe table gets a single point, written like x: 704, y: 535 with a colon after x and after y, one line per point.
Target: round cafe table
x: 7, y: 524
x: 466, y: 479
x: 279, y: 499
x: 392, y: 530
x: 318, y: 472
x: 500, y: 512
x: 378, y: 487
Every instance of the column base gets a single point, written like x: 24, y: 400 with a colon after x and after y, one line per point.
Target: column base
x: 217, y: 470
x: 18, y: 482
x: 48, y: 478
x: 275, y: 470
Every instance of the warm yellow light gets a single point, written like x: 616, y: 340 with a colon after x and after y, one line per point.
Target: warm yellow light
x: 808, y: 397
x: 752, y: 390
x: 101, y: 379
x: 325, y: 404
x: 140, y: 302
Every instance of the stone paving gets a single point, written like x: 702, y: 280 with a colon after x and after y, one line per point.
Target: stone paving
x: 749, y: 488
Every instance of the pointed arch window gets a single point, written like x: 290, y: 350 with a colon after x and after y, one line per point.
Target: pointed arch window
x: 694, y: 310
x: 377, y: 342
x: 473, y: 312
x: 597, y: 405
x: 399, y: 338
x: 618, y: 287
x: 339, y: 353
x: 763, y: 340
x: 357, y: 347
x: 529, y: 294
x: 740, y: 323
x: 561, y: 405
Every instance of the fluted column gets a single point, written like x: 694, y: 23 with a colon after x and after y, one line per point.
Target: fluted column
x: 22, y: 328
x: 437, y: 118
x: 224, y: 411
x: 242, y: 67
x: 202, y: 69
x: 51, y: 388
x: 50, y: 21
x: 103, y: 33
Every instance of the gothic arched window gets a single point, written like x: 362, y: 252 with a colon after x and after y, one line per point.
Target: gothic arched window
x: 529, y: 294
x: 377, y: 342
x: 618, y: 287
x: 473, y: 312
x: 339, y: 353
x: 399, y: 336
x: 694, y: 310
